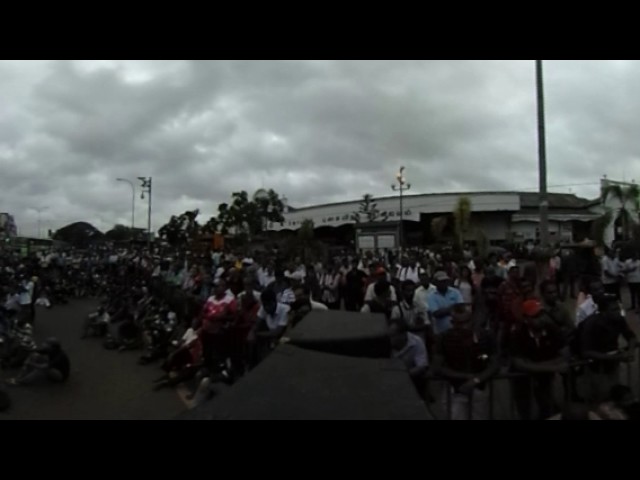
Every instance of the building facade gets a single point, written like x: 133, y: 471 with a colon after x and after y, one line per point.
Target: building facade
x: 499, y: 216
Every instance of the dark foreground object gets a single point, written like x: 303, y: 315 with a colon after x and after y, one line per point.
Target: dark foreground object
x: 297, y: 384
x: 352, y: 334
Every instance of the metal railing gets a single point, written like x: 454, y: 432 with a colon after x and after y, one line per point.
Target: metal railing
x: 577, y: 369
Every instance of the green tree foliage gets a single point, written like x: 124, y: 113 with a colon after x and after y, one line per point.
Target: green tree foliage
x: 181, y: 229
x: 247, y: 217
x: 462, y: 218
x: 79, y: 234
x: 438, y: 224
x: 629, y: 199
x: 368, y: 210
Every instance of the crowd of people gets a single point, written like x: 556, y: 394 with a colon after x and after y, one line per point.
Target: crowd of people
x: 212, y: 317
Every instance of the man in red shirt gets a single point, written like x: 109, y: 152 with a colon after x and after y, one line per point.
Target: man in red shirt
x: 218, y: 312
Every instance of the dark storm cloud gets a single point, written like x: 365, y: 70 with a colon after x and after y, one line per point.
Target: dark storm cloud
x: 315, y: 131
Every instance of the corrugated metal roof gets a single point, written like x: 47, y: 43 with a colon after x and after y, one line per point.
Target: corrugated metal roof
x: 527, y: 199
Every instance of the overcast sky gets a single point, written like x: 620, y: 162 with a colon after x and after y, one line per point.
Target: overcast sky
x: 315, y: 131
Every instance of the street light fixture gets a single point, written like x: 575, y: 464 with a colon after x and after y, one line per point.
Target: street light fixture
x: 146, y: 188
x: 133, y: 201
x: 40, y: 210
x: 401, y: 187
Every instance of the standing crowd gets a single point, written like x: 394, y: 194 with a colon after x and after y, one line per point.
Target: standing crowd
x: 212, y: 317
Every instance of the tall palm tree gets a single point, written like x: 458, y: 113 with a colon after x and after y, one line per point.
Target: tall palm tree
x: 629, y: 209
x: 462, y: 218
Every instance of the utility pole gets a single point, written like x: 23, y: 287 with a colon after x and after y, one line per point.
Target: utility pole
x: 146, y: 188
x: 402, y: 187
x: 542, y: 160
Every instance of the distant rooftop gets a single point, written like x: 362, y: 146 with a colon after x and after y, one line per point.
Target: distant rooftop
x: 527, y: 199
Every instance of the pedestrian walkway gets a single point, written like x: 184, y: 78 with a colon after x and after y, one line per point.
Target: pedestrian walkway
x: 104, y: 385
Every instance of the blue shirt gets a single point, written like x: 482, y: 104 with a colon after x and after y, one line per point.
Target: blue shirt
x: 437, y: 301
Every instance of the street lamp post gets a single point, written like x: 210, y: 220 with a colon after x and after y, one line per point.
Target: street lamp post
x: 542, y: 160
x: 40, y: 210
x: 133, y: 201
x: 401, y: 187
x: 146, y: 188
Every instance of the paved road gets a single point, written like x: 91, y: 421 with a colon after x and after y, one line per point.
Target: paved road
x: 104, y: 385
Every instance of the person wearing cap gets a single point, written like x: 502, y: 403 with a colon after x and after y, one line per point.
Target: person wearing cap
x: 441, y: 302
x: 467, y: 358
x: 407, y: 310
x: 599, y: 341
x: 379, y: 274
x: 425, y: 288
x: 48, y: 363
x: 536, y: 347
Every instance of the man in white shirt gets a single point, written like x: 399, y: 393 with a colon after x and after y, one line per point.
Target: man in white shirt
x: 26, y: 299
x: 423, y: 291
x: 272, y: 321
x: 380, y: 274
x: 611, y: 273
x: 408, y: 272
x: 632, y: 270
x: 588, y: 306
x: 410, y: 349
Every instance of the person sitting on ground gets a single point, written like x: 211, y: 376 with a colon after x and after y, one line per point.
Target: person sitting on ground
x: 468, y: 358
x: 97, y: 323
x: 19, y: 344
x: 48, y: 363
x: 382, y: 301
x: 410, y: 349
x: 184, y: 362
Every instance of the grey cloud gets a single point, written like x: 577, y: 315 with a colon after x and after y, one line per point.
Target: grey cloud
x: 316, y: 131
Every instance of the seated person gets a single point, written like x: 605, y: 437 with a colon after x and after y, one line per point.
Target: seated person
x: 47, y: 363
x: 19, y: 345
x: 468, y: 358
x: 184, y: 362
x: 96, y: 324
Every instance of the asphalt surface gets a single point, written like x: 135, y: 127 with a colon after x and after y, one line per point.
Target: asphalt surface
x: 103, y: 385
